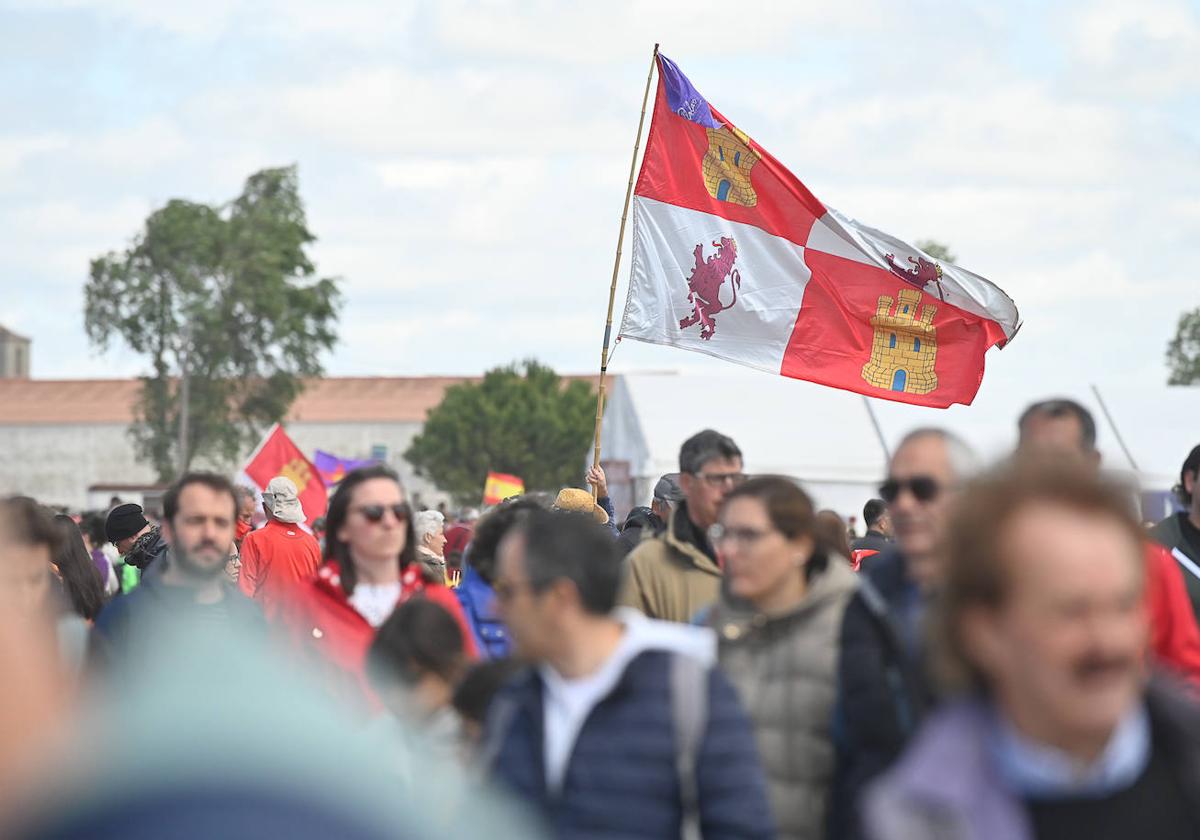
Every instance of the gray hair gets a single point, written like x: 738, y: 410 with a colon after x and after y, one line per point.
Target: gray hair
x: 427, y: 522
x: 964, y: 463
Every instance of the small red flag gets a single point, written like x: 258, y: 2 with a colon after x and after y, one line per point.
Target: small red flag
x: 279, y: 455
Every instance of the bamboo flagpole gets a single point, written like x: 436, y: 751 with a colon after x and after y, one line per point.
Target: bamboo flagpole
x: 612, y: 289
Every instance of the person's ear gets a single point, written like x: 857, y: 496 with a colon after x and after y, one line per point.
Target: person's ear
x: 687, y: 483
x: 1189, y: 483
x: 979, y: 630
x: 802, y: 549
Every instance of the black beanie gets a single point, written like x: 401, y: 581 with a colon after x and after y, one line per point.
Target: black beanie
x: 124, y: 521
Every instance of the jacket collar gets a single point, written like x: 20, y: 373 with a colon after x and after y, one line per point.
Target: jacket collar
x: 733, y: 620
x: 949, y: 766
x: 681, y: 534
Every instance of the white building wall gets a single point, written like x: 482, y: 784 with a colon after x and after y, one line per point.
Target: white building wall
x: 56, y: 464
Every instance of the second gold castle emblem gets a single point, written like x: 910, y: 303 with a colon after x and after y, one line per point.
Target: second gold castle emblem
x: 904, y: 349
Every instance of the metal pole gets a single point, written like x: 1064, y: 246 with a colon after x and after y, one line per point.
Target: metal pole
x: 1116, y: 432
x: 887, y: 455
x: 612, y: 290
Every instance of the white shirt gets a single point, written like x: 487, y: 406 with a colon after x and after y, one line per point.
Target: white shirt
x: 375, y: 601
x: 568, y: 702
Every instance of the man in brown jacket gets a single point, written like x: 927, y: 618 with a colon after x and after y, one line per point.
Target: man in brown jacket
x: 674, y: 575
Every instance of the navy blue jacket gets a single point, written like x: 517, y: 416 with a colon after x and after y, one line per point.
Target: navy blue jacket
x: 882, y: 692
x: 621, y: 779
x: 129, y: 625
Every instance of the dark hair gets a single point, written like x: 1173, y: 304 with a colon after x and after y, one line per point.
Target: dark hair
x: 490, y: 530
x: 832, y: 532
x: 973, y: 558
x: 29, y: 523
x: 339, y: 512
x: 703, y: 447
x: 80, y: 577
x: 873, y: 510
x: 791, y: 513
x: 1062, y: 407
x: 480, y: 684
x: 419, y: 638
x: 560, y: 545
x: 214, y: 482
x: 93, y: 526
x: 1191, y: 464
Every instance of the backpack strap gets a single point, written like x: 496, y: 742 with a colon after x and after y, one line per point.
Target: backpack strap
x: 689, y: 707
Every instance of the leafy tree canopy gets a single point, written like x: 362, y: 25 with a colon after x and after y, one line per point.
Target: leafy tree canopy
x: 1183, y: 352
x: 524, y: 420
x: 937, y: 250
x: 229, y: 292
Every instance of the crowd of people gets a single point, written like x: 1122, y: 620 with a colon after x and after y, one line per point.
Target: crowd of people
x: 1007, y: 653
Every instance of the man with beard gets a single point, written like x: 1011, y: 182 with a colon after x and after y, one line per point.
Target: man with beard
x: 199, y: 516
x: 1040, y: 632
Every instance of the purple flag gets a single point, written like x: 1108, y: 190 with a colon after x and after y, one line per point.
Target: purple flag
x: 682, y: 97
x: 333, y: 469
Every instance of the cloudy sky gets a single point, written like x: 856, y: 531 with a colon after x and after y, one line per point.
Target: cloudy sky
x: 463, y: 164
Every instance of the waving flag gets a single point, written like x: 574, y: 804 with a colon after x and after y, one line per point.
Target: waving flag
x: 279, y: 455
x: 734, y: 257
x: 500, y: 486
x: 333, y: 469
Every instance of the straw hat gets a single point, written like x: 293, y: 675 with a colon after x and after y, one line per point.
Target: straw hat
x: 580, y: 501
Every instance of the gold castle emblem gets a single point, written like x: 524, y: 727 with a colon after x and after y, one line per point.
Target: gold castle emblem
x: 727, y: 165
x: 904, y: 351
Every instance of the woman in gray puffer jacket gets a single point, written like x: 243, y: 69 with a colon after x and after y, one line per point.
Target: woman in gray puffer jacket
x: 778, y: 622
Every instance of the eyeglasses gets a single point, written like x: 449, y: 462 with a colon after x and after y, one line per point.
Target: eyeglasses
x: 923, y: 488
x: 375, y: 513
x: 721, y: 479
x: 719, y: 534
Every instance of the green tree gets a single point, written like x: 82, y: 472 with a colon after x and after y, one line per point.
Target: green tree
x: 937, y: 250
x: 521, y: 420
x: 226, y: 305
x: 1183, y: 353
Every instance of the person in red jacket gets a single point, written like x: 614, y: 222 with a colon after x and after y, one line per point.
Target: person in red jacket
x: 1065, y: 427
x: 370, y: 567
x: 281, y: 554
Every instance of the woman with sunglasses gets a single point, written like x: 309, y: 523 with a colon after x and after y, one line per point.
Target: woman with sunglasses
x: 370, y: 566
x: 777, y: 623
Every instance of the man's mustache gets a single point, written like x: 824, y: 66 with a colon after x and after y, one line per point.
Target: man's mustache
x: 1102, y: 664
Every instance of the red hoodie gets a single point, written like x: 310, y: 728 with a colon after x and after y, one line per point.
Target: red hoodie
x: 333, y: 637
x: 1174, y: 637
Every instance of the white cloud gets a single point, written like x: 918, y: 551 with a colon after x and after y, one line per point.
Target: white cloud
x: 15, y: 150
x: 1145, y: 49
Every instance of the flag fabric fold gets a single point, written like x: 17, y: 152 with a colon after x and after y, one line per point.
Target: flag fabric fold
x: 279, y: 455
x: 734, y: 257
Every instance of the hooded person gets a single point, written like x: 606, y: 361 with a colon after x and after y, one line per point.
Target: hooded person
x: 622, y: 727
x: 136, y: 540
x: 281, y: 553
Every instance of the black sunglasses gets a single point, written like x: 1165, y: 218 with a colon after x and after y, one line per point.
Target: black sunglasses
x: 375, y: 513
x: 923, y: 488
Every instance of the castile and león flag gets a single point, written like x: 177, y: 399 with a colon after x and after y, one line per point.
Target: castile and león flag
x: 734, y: 257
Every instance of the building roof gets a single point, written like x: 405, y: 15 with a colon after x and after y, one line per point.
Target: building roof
x: 7, y: 334
x: 374, y: 399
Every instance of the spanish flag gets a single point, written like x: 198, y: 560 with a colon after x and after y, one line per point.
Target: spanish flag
x: 501, y: 486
